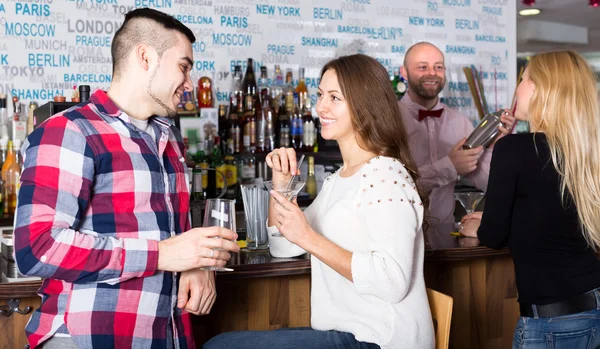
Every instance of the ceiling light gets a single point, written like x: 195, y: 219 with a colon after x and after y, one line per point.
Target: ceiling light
x: 528, y: 2
x: 532, y: 11
x: 595, y: 3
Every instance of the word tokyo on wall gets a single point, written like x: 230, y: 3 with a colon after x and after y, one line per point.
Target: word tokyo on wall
x: 49, y: 46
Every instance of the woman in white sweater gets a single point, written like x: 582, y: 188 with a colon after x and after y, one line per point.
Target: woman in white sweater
x: 364, y: 229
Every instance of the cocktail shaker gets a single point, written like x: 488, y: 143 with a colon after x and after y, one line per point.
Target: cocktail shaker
x: 485, y: 133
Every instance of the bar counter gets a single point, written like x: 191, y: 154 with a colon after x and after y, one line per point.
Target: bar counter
x: 265, y: 293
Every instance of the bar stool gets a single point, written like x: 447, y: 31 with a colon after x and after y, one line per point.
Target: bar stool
x: 441, y: 312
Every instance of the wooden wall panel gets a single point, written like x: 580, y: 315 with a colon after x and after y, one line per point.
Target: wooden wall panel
x: 258, y: 304
x: 12, y: 329
x: 485, y: 300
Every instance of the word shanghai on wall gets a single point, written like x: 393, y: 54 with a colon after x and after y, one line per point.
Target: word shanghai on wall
x: 49, y: 46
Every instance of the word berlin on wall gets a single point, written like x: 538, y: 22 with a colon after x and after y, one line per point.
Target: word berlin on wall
x: 49, y: 46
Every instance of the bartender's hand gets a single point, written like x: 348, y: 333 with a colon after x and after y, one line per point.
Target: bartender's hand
x: 470, y: 223
x: 283, y: 162
x: 197, y: 248
x: 196, y: 292
x: 464, y: 160
x: 508, y: 120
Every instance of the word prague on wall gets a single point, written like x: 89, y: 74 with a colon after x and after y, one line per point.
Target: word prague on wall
x: 49, y: 46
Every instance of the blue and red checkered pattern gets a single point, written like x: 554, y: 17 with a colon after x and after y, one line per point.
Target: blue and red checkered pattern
x: 97, y: 194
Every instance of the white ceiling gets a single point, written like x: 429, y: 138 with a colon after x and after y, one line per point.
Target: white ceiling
x: 573, y: 12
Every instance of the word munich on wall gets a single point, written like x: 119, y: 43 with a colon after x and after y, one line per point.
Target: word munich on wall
x: 49, y: 46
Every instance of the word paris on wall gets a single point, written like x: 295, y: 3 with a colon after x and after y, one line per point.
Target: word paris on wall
x: 49, y: 46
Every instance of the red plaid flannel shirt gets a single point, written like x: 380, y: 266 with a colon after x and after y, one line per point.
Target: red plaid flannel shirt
x: 96, y: 196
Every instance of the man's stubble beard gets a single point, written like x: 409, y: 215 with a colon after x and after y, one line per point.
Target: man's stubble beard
x: 170, y: 112
x: 421, y: 91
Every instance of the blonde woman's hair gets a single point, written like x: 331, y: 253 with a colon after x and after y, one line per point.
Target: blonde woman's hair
x: 564, y: 106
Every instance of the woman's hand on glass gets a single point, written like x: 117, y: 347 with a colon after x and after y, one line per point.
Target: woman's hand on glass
x: 470, y: 223
x: 290, y: 220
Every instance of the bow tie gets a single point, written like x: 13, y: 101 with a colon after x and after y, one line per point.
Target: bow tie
x: 432, y: 113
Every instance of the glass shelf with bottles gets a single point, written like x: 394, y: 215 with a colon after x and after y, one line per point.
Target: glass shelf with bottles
x: 271, y: 112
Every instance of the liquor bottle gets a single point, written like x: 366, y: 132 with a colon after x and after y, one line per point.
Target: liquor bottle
x: 30, y: 117
x: 198, y: 190
x: 223, y: 127
x: 269, y: 125
x: 301, y: 89
x: 231, y: 176
x: 13, y: 177
x: 84, y: 93
x: 311, y: 180
x: 261, y: 124
x: 10, y: 157
x: 192, y: 145
x: 3, y: 110
x: 218, y: 163
x: 288, y: 87
x: 17, y: 151
x: 264, y: 89
x: 249, y: 82
x: 284, y: 122
x: 18, y: 127
x: 235, y: 130
x: 236, y: 93
x: 248, y: 164
x: 401, y: 87
x: 296, y: 130
x: 398, y: 84
x: 204, y: 163
x: 277, y: 89
x: 249, y: 123
x: 16, y: 108
x: 3, y: 148
x: 205, y: 94
x: 308, y: 126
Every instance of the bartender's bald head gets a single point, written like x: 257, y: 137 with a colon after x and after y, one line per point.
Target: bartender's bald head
x: 419, y: 48
x: 425, y: 71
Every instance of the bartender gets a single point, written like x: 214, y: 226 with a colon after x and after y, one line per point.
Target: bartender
x: 436, y: 135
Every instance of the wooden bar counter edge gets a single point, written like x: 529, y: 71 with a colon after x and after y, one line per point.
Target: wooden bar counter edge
x: 265, y: 293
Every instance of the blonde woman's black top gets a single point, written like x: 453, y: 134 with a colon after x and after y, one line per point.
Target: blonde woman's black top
x: 524, y: 210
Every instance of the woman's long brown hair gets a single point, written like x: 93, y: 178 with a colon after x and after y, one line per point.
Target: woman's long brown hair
x: 375, y: 113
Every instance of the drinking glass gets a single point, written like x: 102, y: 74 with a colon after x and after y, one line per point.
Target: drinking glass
x: 288, y: 189
x: 469, y: 200
x: 219, y: 213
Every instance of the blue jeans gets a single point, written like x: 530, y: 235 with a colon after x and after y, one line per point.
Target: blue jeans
x: 574, y: 331
x: 287, y: 338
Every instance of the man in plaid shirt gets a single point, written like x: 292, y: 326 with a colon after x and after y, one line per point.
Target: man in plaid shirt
x: 103, y: 209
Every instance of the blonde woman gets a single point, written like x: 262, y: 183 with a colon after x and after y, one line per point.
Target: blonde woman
x: 543, y: 200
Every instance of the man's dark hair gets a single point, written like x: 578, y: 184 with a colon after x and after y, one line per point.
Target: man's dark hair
x: 148, y: 26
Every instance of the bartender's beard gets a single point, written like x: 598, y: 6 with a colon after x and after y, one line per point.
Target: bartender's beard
x: 170, y: 112
x: 420, y: 89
